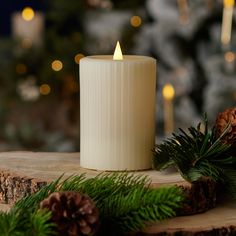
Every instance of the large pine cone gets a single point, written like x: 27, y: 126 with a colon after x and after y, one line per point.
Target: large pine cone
x: 222, y: 120
x: 74, y: 214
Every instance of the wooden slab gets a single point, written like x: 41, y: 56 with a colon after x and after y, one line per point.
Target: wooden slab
x: 38, y: 168
x: 23, y: 173
x: 218, y: 221
x: 49, y: 166
x: 4, y: 207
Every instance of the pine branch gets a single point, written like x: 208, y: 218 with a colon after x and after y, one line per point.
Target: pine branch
x: 198, y: 154
x: 125, y: 201
x: 106, y: 185
x: 39, y: 224
x: 11, y: 223
x: 132, y: 213
x: 21, y: 222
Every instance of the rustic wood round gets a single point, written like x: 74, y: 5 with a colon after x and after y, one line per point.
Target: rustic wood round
x: 26, y: 172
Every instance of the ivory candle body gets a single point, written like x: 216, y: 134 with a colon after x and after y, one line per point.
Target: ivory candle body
x: 117, y: 112
x: 31, y: 30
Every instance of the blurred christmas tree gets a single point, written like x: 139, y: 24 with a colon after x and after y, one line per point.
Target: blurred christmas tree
x: 39, y: 92
x: 40, y: 84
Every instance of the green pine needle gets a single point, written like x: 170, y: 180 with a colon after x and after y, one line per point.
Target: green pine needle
x: 197, y: 154
x: 10, y: 223
x: 39, y: 224
x: 21, y: 222
x: 132, y: 213
x: 125, y: 201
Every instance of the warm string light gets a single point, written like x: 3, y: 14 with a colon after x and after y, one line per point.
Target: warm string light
x: 229, y: 64
x: 78, y: 57
x: 229, y: 56
x: 135, y: 21
x: 227, y: 22
x: 28, y: 14
x: 44, y: 89
x: 57, y: 65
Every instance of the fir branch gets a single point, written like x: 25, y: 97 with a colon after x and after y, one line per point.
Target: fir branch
x: 131, y: 213
x: 11, y: 223
x: 106, y: 185
x: 198, y: 154
x: 125, y: 201
x: 21, y: 222
x: 39, y: 224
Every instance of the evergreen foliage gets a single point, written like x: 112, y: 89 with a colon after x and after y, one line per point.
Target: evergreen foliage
x: 125, y: 202
x: 198, y: 154
x: 21, y: 222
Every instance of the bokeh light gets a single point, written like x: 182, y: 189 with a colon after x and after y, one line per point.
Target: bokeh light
x: 135, y: 21
x: 78, y: 57
x: 28, y: 13
x: 57, y: 65
x: 168, y: 92
x: 21, y: 68
x: 229, y: 56
x: 44, y: 89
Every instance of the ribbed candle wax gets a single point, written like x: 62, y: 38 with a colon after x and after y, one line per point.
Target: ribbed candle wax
x: 117, y: 109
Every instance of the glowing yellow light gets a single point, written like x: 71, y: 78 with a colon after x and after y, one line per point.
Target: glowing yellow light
x: 44, y: 89
x: 57, y: 65
x: 118, y: 53
x: 228, y: 3
x: 78, y: 57
x: 27, y: 13
x: 21, y: 68
x: 229, y: 56
x: 168, y: 92
x: 135, y: 21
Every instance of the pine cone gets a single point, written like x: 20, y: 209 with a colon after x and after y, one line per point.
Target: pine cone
x: 73, y: 213
x: 222, y: 120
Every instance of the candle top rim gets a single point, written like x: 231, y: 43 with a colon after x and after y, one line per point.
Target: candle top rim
x: 125, y: 58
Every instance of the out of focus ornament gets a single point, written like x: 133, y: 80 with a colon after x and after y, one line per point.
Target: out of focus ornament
x: 28, y: 89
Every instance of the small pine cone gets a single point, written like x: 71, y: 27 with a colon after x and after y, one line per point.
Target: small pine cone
x: 222, y: 120
x: 73, y: 213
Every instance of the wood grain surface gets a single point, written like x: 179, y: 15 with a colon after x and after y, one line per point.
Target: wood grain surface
x: 39, y: 166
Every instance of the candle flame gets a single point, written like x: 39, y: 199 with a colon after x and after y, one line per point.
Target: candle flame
x: 118, y: 53
x: 28, y: 14
x: 228, y: 3
x: 168, y: 92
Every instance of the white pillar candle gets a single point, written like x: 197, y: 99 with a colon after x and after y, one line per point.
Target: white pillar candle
x: 31, y: 30
x: 117, y: 104
x: 168, y: 95
x: 227, y: 21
